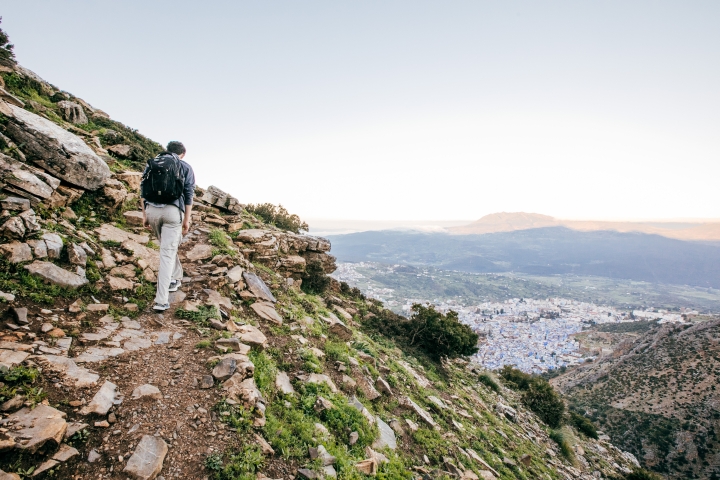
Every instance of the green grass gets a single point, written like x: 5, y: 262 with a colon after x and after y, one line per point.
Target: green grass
x: 20, y: 381
x: 221, y: 242
x: 265, y: 371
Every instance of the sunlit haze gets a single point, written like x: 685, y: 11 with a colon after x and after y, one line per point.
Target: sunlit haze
x: 408, y: 110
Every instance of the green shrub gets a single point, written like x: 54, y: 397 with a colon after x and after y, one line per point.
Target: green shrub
x: 241, y: 465
x: 314, y: 280
x: 440, y: 335
x: 583, y: 425
x: 487, y: 380
x: 278, y: 216
x: 201, y: 316
x: 7, y: 56
x: 539, y: 396
x: 561, y: 439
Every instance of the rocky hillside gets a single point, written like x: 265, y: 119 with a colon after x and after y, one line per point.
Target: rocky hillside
x: 248, y: 375
x: 657, y: 397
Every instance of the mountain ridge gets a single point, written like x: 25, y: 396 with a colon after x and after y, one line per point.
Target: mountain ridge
x: 515, y: 221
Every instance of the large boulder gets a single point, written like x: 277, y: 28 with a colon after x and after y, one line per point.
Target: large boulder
x: 56, y: 150
x: 72, y: 112
x: 53, y: 274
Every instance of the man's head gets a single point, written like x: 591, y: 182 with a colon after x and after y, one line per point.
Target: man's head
x: 177, y: 148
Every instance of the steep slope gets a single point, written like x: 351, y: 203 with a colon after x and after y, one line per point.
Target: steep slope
x: 657, y: 398
x: 247, y: 376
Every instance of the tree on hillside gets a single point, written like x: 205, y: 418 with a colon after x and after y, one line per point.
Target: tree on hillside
x: 7, y: 56
x: 440, y: 335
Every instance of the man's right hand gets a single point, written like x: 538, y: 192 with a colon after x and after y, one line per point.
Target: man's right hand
x: 146, y: 224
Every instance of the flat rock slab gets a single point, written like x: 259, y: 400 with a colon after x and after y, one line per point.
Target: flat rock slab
x: 251, y: 336
x: 63, y: 154
x: 267, y: 311
x: 322, y: 378
x: 82, y: 377
x: 282, y: 382
x: 10, y: 358
x: 147, y: 460
x: 57, y: 276
x: 200, y: 251
x: 387, y: 436
x: 102, y: 401
x: 147, y: 391
x: 258, y: 287
x: 424, y: 415
x: 137, y: 343
x: 110, y: 233
x: 31, y: 429
x: 141, y: 252
x: 214, y: 298
x: 98, y: 354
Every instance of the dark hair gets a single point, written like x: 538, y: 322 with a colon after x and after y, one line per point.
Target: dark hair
x: 176, y: 147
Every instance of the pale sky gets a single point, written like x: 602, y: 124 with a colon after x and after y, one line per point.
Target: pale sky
x: 408, y: 110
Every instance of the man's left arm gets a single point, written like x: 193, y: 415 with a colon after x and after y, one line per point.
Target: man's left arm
x: 189, y: 193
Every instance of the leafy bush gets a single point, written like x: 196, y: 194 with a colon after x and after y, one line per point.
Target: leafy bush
x: 583, y: 425
x: 314, y: 280
x: 561, y: 439
x: 277, y: 215
x: 539, y: 396
x: 7, y: 56
x: 436, y: 334
x: 440, y: 335
x: 487, y: 380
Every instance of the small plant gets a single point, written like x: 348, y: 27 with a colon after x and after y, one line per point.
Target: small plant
x: 213, y: 462
x: 220, y: 241
x: 204, y: 344
x: 336, y: 351
x: 201, y: 316
x: 539, y: 396
x: 642, y: 474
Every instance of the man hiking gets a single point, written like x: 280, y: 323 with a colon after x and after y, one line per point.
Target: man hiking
x: 167, y: 189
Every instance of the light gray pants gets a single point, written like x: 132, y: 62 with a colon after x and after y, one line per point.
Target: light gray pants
x: 166, y: 224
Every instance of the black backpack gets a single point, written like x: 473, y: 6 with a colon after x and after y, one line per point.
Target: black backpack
x: 163, y: 182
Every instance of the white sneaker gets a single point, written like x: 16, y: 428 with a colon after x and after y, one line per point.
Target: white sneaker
x: 174, y: 285
x: 161, y: 308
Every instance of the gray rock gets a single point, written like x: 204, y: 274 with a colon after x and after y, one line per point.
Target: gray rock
x: 200, y: 251
x: 207, y: 382
x: 56, y: 150
x: 147, y: 391
x: 321, y: 453
x: 231, y: 343
x: 30, y: 183
x: 54, y: 244
x: 14, y: 227
x: 77, y: 255
x: 34, y: 428
x: 217, y: 324
x: 39, y: 248
x: 20, y: 314
x: 110, y: 233
x: 424, y: 415
x: 387, y: 436
x: 235, y: 274
x: 15, y: 204
x: 341, y: 330
x: 383, y: 386
x: 16, y: 252
x: 55, y: 275
x: 30, y: 221
x: 102, y: 401
x: 72, y: 112
x: 282, y: 383
x: 147, y: 460
x: 354, y: 437
x: 251, y: 336
x: 93, y: 456
x: 258, y: 287
x: 225, y: 369
x: 12, y: 404
x: 322, y: 378
x: 267, y: 311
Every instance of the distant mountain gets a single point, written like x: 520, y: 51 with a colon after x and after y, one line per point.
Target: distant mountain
x: 543, y: 251
x: 510, y: 222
